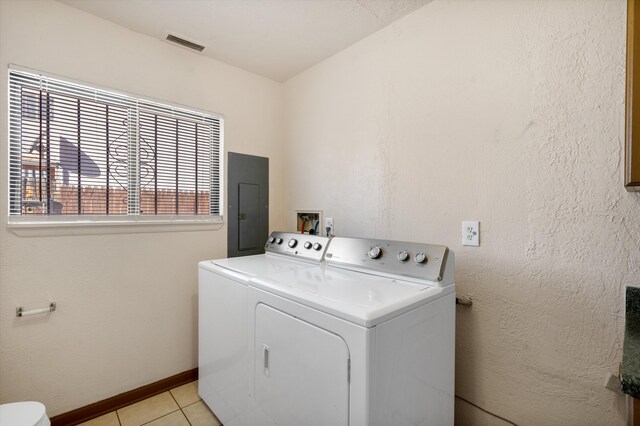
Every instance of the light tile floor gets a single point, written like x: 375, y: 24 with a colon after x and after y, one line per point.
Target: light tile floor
x: 180, y: 406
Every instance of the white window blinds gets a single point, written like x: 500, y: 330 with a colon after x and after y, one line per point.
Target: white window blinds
x: 77, y: 150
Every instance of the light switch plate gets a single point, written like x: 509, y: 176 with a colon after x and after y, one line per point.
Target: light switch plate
x: 470, y: 233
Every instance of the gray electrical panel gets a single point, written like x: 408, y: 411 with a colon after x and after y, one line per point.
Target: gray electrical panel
x: 248, y: 204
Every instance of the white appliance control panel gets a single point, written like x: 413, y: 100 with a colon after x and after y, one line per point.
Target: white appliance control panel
x: 305, y: 246
x: 415, y: 260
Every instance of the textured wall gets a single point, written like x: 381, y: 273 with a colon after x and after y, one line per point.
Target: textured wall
x: 127, y: 303
x: 511, y: 113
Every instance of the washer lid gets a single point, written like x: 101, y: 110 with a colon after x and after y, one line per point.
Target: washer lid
x: 358, y: 297
x: 22, y: 413
x: 260, y: 264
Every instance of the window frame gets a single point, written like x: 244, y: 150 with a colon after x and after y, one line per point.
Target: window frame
x: 26, y: 224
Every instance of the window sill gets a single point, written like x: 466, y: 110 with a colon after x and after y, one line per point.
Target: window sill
x: 87, y: 225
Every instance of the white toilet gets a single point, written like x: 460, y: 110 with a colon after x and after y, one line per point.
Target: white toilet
x: 27, y: 413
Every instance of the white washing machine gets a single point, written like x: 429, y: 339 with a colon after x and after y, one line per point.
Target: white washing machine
x: 223, y: 320
x: 366, y: 340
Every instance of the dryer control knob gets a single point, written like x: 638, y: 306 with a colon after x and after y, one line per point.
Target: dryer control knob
x: 375, y: 252
x: 308, y: 245
x: 317, y: 246
x: 292, y: 242
x: 402, y: 256
x: 278, y: 240
x: 421, y: 258
x: 272, y: 240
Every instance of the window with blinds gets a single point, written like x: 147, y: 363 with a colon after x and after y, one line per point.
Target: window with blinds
x: 82, y: 151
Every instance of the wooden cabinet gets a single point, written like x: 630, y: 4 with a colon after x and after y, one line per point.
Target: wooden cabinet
x: 632, y: 128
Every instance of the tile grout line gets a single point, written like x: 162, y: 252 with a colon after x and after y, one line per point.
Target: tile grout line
x: 179, y: 407
x: 185, y: 416
x: 158, y: 418
x: 177, y: 404
x: 153, y: 420
x: 188, y: 405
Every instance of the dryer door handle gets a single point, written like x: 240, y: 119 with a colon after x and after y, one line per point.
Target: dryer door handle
x: 265, y: 359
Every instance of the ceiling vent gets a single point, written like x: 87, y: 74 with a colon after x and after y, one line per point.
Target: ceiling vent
x: 185, y: 43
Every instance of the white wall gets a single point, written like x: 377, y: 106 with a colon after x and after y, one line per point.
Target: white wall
x: 507, y: 112
x: 512, y: 113
x: 127, y: 303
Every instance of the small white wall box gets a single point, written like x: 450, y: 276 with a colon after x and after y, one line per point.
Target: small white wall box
x: 309, y: 222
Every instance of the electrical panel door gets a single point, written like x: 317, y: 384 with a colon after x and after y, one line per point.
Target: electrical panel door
x: 249, y: 232
x: 248, y: 204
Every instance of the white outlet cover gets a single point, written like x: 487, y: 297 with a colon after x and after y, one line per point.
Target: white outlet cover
x: 328, y: 223
x: 471, y: 233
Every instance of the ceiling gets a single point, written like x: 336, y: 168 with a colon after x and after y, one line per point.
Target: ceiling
x: 274, y: 38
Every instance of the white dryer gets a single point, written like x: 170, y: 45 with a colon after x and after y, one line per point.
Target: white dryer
x: 366, y: 340
x: 222, y: 310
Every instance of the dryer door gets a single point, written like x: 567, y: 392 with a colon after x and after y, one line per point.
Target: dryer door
x: 301, y: 371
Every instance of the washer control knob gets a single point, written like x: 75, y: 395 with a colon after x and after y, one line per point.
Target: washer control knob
x: 293, y: 242
x: 421, y: 258
x: 308, y: 245
x: 375, y: 252
x: 402, y: 256
x: 317, y: 246
x: 272, y: 240
x: 278, y: 240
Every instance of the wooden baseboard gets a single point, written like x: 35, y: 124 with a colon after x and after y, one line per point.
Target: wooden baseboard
x: 105, y: 406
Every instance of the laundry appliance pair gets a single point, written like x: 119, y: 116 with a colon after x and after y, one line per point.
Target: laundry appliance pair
x: 318, y: 331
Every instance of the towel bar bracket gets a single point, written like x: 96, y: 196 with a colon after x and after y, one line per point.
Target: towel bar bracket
x: 20, y: 312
